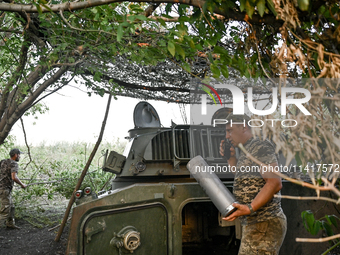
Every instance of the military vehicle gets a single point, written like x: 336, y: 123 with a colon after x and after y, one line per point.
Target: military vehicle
x: 154, y: 206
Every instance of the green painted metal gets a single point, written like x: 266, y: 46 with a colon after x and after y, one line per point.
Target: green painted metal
x: 154, y: 205
x: 153, y: 209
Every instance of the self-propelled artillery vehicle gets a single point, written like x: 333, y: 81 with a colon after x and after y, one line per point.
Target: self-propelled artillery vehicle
x: 154, y: 206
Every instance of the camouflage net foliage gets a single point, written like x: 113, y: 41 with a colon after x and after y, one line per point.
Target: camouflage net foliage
x: 152, y: 51
x: 165, y: 81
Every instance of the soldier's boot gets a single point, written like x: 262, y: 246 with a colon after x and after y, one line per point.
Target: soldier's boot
x: 2, y: 221
x: 11, y: 224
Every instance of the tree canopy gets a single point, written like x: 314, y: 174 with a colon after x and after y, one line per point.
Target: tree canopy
x: 151, y: 50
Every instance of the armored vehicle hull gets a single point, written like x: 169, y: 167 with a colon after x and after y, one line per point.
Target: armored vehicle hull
x: 154, y: 206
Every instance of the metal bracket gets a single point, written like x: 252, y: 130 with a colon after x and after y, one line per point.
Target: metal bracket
x: 89, y: 232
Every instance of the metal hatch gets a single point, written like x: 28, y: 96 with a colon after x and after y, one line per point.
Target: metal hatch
x: 145, y: 115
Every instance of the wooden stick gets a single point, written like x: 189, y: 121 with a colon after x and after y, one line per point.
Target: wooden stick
x: 317, y: 240
x: 328, y: 186
x: 58, y: 225
x: 82, y: 176
x: 302, y: 183
x: 309, y: 198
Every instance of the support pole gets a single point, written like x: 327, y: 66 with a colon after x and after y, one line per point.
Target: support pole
x: 82, y: 176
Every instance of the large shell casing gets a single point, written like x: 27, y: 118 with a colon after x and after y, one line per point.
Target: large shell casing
x: 221, y: 197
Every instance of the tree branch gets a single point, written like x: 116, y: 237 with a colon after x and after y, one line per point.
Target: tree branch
x: 151, y: 8
x: 18, y: 72
x: 28, y: 147
x: 71, y: 6
x: 309, y: 198
x: 25, y: 105
x: 68, y: 64
x: 7, y: 123
x: 53, y: 91
x: 317, y: 240
x: 82, y: 176
x: 80, y: 29
x: 11, y: 31
x: 302, y: 183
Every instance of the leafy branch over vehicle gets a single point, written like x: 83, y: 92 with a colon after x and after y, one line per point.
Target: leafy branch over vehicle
x: 134, y: 48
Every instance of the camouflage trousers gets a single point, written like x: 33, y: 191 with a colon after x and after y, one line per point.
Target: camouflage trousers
x: 7, y: 208
x: 263, y: 238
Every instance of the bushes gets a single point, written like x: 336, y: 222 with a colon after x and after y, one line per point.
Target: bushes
x: 52, y: 174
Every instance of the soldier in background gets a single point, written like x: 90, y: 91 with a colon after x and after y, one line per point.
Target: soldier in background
x: 8, y: 175
x: 263, y: 222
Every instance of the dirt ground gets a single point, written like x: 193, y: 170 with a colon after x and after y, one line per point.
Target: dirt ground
x: 32, y: 240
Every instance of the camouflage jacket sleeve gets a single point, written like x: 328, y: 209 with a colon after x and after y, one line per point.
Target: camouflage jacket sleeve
x: 14, y: 166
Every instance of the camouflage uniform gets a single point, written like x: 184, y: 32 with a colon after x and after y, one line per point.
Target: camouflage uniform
x: 7, y: 167
x: 262, y: 233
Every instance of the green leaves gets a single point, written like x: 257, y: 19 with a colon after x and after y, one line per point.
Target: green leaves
x: 186, y: 67
x: 328, y: 228
x: 251, y: 6
x: 97, y: 76
x: 313, y: 226
x: 332, y: 220
x: 271, y: 7
x: 215, y: 70
x: 225, y: 71
x: 308, y: 219
x: 137, y: 17
x: 221, y: 63
x: 174, y: 47
x: 242, y: 5
x: 171, y: 48
x: 261, y: 7
x: 120, y: 33
x: 303, y: 4
x: 180, y: 51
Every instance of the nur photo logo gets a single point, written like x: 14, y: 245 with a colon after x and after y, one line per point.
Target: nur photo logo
x: 207, y: 88
x: 275, y: 101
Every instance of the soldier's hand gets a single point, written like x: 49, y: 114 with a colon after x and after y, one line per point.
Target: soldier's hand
x: 222, y: 148
x: 232, y: 149
x: 23, y: 186
x: 241, y: 210
x: 232, y: 152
